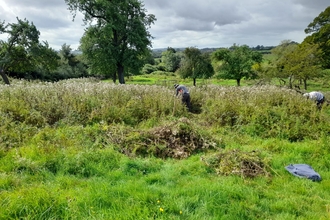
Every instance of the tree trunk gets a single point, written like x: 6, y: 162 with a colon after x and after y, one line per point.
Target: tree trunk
x: 114, y: 77
x: 194, y: 81
x: 305, y: 84
x: 120, y: 70
x: 238, y: 82
x: 4, y: 77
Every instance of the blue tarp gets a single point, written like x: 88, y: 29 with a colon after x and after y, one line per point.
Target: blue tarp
x: 303, y: 171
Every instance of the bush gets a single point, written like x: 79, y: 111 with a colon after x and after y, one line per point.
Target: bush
x: 148, y: 68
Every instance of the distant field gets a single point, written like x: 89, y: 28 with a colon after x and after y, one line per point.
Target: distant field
x: 162, y: 80
x: 322, y: 84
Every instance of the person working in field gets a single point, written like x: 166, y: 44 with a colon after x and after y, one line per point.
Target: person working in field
x: 318, y: 97
x: 181, y: 89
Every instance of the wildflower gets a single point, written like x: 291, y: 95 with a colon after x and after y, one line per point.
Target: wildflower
x: 161, y: 209
x: 180, y: 212
x: 158, y: 201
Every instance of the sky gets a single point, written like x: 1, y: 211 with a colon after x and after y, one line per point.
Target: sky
x: 182, y: 23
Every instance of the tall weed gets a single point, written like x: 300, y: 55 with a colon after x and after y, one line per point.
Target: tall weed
x: 265, y: 111
x: 85, y: 102
x: 61, y: 148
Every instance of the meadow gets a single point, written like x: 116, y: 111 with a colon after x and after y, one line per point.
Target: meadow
x: 90, y: 149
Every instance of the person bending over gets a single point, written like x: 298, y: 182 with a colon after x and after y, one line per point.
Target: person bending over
x: 318, y: 97
x: 181, y: 89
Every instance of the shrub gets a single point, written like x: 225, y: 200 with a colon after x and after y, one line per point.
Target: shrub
x: 148, y: 68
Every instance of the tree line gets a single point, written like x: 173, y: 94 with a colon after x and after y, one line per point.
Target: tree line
x: 291, y: 61
x: 117, y: 43
x: 24, y: 56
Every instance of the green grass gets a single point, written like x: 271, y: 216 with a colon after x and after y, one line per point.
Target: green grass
x: 171, y: 80
x: 69, y: 150
x: 118, y: 187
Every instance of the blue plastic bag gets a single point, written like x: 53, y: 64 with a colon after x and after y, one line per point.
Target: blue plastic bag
x: 303, y: 171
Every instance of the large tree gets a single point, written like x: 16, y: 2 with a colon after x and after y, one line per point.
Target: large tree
x: 319, y: 31
x: 236, y: 62
x: 295, y: 62
x: 280, y: 67
x: 304, y: 62
x: 72, y: 64
x: 67, y: 57
x: 171, y: 59
x: 22, y: 52
x: 117, y: 36
x: 45, y: 59
x: 195, y: 64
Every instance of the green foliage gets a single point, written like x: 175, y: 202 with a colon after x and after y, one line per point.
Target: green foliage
x: 74, y: 102
x: 46, y: 59
x: 70, y: 66
x: 319, y: 30
x: 285, y: 115
x: 236, y: 62
x: 295, y: 62
x: 22, y: 56
x: 117, y: 39
x: 148, y: 68
x: 306, y: 62
x: 171, y: 60
x: 195, y: 65
x: 13, y: 132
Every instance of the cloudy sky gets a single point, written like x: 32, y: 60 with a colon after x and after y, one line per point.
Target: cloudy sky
x: 183, y: 23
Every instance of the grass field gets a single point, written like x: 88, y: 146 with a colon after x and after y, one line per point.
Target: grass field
x: 86, y: 149
x: 322, y: 84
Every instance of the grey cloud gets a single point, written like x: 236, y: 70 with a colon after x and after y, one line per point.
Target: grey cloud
x: 182, y: 23
x: 190, y: 24
x: 51, y: 17
x: 52, y: 14
x: 249, y: 22
x: 209, y: 12
x: 316, y: 5
x: 35, y: 3
x: 48, y: 18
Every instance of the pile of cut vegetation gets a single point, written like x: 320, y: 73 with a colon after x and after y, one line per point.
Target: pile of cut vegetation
x: 179, y: 139
x: 236, y: 162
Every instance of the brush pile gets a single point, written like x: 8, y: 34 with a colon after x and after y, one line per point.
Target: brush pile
x: 179, y: 139
x: 236, y: 162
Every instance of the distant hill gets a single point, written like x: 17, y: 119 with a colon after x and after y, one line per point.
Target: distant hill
x: 263, y: 49
x: 158, y: 51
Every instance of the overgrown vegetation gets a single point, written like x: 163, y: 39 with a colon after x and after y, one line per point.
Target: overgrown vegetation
x: 85, y: 149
